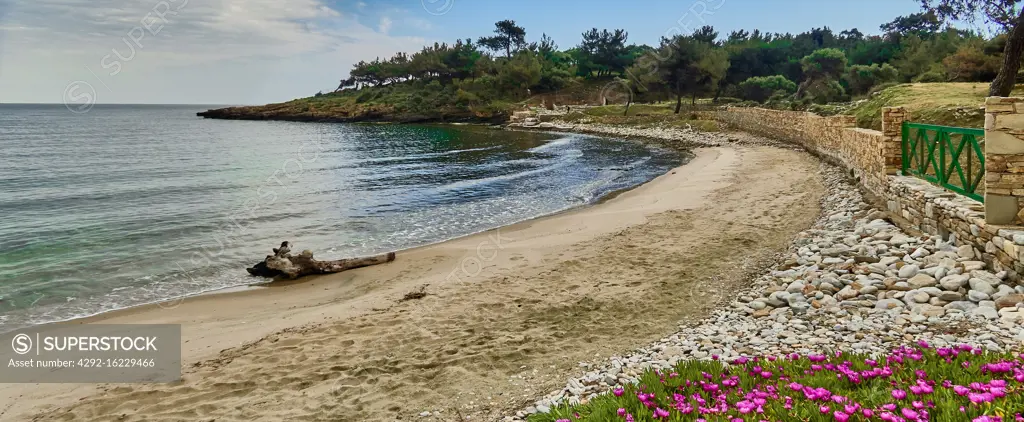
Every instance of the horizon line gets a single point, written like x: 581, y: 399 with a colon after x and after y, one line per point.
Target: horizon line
x: 101, y: 104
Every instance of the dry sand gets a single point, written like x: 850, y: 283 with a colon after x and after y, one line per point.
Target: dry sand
x: 508, y: 314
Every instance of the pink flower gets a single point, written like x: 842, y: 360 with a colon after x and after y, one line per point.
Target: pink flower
x: 618, y: 392
x: 868, y: 413
x: 909, y: 413
x: 841, y: 416
x: 899, y: 394
x: 961, y: 390
x: 621, y: 412
x: 978, y: 398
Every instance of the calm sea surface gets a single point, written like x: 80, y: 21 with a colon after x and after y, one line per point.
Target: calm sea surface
x: 127, y: 205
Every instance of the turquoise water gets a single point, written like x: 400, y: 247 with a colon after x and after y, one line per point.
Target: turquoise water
x: 127, y: 205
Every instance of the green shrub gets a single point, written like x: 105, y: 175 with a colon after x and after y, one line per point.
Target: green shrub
x: 861, y: 77
x: 728, y: 100
x: 761, y: 88
x: 824, y: 91
x: 931, y: 76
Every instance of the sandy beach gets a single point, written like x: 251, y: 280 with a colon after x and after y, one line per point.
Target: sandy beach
x: 509, y: 314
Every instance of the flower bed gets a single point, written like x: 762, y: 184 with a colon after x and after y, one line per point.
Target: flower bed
x: 909, y: 384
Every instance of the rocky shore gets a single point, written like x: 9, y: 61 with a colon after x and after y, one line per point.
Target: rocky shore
x: 853, y: 282
x: 683, y: 137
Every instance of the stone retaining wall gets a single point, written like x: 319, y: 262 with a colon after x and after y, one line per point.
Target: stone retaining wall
x: 874, y: 158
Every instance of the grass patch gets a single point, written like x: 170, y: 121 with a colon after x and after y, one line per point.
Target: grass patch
x: 643, y: 115
x: 909, y: 384
x: 948, y: 104
x: 634, y: 110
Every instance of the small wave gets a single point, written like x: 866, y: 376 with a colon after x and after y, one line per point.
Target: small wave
x: 553, y: 144
x: 414, y: 157
x: 465, y: 184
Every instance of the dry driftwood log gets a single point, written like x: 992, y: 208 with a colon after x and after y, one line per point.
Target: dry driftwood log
x: 285, y: 265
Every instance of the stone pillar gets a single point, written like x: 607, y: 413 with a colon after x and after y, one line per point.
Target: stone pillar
x: 1004, y: 160
x: 892, y: 129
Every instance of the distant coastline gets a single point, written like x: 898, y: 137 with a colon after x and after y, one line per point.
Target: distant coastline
x: 268, y: 112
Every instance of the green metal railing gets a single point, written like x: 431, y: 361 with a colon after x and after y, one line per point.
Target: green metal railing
x: 938, y: 153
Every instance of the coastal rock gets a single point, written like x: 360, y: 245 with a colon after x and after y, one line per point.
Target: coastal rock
x: 1010, y: 301
x: 965, y: 251
x: 908, y: 271
x: 977, y: 296
x: 954, y: 282
x: 987, y: 313
x: 982, y: 286
x: 921, y: 280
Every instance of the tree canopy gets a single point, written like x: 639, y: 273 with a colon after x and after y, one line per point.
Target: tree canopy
x: 818, y: 65
x: 1006, y: 13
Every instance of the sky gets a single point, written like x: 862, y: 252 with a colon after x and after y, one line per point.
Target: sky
x: 262, y: 51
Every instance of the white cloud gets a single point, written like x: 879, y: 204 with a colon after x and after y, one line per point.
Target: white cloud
x: 385, y: 25
x: 48, y: 43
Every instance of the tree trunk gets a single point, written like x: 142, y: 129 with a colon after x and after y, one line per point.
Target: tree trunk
x: 679, y: 102
x: 285, y: 265
x: 1003, y: 84
x: 628, y: 102
x: 693, y: 101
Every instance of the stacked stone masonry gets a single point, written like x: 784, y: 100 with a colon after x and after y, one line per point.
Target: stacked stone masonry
x: 874, y: 159
x: 1004, y: 160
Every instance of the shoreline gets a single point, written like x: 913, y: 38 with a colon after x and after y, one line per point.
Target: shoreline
x: 685, y: 155
x: 287, y: 296
x: 266, y: 112
x: 570, y: 259
x: 258, y: 286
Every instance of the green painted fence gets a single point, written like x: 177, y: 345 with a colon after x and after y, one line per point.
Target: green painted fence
x: 951, y: 157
